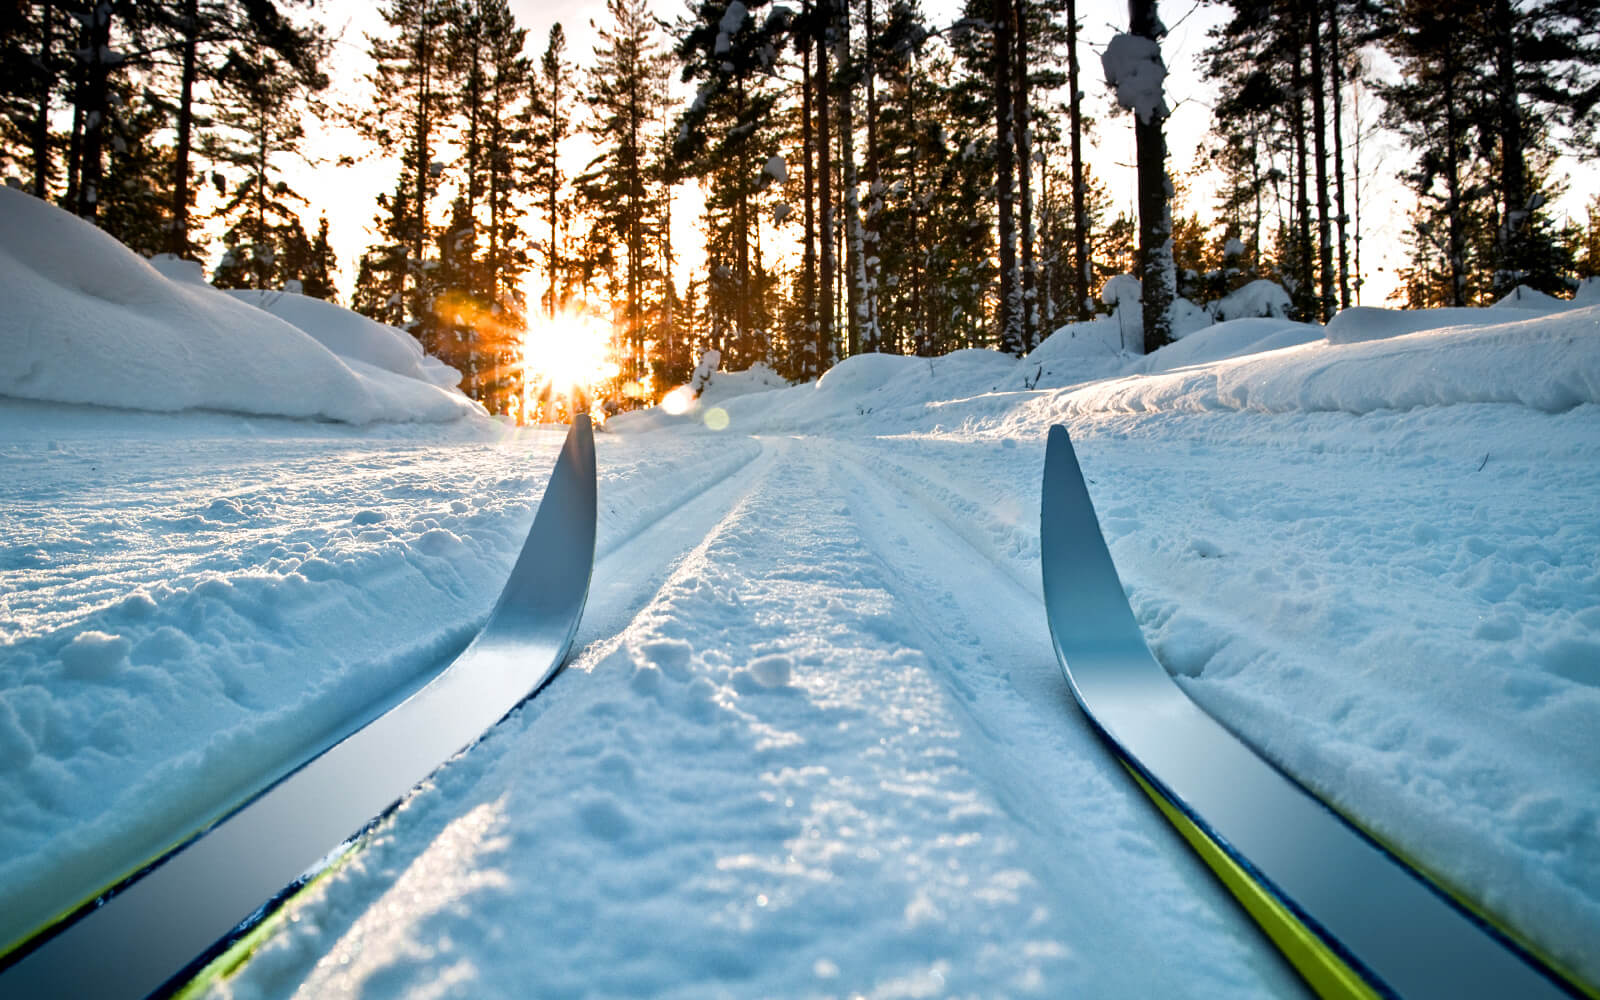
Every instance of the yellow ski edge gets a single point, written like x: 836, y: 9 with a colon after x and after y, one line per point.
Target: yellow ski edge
x: 1328, y: 975
x: 234, y: 957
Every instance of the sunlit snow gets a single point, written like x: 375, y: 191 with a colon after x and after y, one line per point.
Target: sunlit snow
x: 812, y: 740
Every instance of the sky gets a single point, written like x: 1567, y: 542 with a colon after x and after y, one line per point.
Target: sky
x: 347, y: 194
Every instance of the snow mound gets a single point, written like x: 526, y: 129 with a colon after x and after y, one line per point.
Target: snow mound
x: 89, y: 321
x: 759, y: 377
x: 864, y: 373
x: 352, y: 335
x: 1363, y: 323
x: 682, y: 406
x: 175, y: 268
x: 1230, y: 339
x: 1261, y: 298
x: 1546, y: 362
x: 1523, y: 297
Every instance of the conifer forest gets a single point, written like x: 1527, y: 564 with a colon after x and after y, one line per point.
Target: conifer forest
x: 874, y: 176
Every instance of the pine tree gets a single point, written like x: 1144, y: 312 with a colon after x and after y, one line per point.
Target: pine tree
x: 35, y: 63
x: 190, y: 48
x: 134, y: 198
x: 409, y: 101
x: 550, y: 111
x: 1134, y: 68
x: 259, y: 124
x: 1433, y: 107
x: 626, y: 88
x: 729, y: 137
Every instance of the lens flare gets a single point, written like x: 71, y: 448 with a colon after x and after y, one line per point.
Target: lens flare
x: 565, y: 358
x: 678, y: 400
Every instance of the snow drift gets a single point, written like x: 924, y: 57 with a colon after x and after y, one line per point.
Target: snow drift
x: 86, y: 320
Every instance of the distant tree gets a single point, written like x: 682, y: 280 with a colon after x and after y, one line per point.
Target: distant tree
x: 134, y: 198
x: 409, y: 100
x: 1587, y: 253
x: 310, y: 261
x: 190, y: 49
x: 256, y: 125
x: 554, y: 93
x: 1433, y: 107
x: 1134, y: 69
x: 625, y: 92
x: 35, y: 65
x: 1544, y: 73
x: 729, y: 137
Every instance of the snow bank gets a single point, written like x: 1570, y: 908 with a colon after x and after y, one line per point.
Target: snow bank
x: 1230, y: 339
x: 1525, y: 298
x: 1549, y: 363
x: 352, y: 335
x: 684, y: 406
x: 86, y: 320
x: 1362, y: 323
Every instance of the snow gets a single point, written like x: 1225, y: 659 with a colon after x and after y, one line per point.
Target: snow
x: 1257, y: 298
x: 813, y: 739
x: 1135, y: 71
x: 353, y: 336
x: 88, y: 321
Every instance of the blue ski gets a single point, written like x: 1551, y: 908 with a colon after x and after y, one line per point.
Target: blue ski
x: 150, y: 933
x: 1354, y: 919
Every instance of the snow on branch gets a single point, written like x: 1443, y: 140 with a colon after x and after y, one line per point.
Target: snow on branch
x: 1134, y: 68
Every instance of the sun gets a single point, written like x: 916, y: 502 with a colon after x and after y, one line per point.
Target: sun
x: 565, y: 356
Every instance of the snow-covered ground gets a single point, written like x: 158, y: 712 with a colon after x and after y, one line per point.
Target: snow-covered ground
x: 813, y: 740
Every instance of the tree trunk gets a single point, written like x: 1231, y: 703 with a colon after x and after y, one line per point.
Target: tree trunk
x: 1514, y: 196
x: 1158, y: 275
x: 1021, y: 125
x: 1082, y: 265
x: 1009, y: 308
x: 178, y: 241
x: 1336, y: 58
x: 1305, y: 273
x: 862, y: 321
x: 871, y: 233
x: 1455, y: 223
x: 826, y: 349
x: 39, y: 127
x: 1319, y: 136
x: 421, y: 152
x: 810, y: 358
x: 95, y: 107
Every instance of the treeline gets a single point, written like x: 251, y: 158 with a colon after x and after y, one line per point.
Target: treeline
x: 874, y: 181
x: 1488, y: 92
x: 121, y: 111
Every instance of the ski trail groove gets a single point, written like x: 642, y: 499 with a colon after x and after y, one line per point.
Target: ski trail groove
x: 987, y: 639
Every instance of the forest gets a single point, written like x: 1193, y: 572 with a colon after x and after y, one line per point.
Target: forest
x: 874, y: 179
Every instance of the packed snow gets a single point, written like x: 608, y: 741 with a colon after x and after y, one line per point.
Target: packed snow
x: 812, y: 739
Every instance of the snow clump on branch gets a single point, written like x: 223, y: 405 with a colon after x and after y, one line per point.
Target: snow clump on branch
x: 1134, y: 68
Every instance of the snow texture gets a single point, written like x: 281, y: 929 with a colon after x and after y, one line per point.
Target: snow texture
x: 813, y: 740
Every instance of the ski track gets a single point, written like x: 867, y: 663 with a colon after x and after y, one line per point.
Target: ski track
x: 965, y: 839
x: 750, y: 595
x: 297, y: 588
x: 1347, y: 675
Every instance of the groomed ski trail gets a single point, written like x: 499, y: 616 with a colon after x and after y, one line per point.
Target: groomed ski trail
x: 811, y: 771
